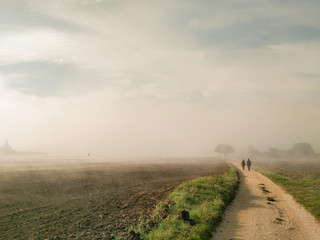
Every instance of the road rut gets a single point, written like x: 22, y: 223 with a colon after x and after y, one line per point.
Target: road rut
x: 252, y: 216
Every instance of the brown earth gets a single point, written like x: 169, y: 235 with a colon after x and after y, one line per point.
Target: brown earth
x: 90, y: 201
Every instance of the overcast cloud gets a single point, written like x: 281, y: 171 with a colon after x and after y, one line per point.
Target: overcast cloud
x: 158, y: 78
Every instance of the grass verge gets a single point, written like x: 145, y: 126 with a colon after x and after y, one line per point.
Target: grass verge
x: 304, y: 188
x: 205, y: 199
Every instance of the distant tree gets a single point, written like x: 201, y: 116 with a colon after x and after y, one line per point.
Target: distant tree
x: 302, y: 149
x: 274, y: 152
x: 224, y: 149
x: 253, y: 151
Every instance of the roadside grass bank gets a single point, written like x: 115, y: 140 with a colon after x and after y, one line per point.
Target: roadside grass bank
x: 304, y: 188
x: 192, y: 210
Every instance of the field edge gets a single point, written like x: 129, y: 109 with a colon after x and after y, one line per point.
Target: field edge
x: 193, y: 210
x: 305, y: 189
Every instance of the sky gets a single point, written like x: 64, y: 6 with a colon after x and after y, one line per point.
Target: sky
x: 158, y: 78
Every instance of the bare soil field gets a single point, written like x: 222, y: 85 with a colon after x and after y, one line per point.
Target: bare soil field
x: 90, y: 201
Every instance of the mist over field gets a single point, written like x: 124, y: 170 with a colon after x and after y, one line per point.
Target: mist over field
x: 129, y: 119
x: 130, y: 79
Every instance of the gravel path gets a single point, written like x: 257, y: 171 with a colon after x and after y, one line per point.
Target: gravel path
x: 252, y: 216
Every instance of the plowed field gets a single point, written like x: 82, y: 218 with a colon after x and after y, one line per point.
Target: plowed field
x: 89, y: 201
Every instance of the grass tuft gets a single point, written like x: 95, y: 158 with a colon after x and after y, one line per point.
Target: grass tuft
x: 271, y: 199
x: 264, y: 190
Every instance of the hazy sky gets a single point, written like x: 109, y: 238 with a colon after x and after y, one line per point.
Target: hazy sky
x: 169, y: 77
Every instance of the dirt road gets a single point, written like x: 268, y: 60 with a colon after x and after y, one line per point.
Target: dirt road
x: 252, y: 216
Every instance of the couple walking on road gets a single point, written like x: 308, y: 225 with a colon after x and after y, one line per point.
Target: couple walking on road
x: 243, y: 164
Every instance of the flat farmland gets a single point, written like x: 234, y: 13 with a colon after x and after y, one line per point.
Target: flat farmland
x: 89, y: 200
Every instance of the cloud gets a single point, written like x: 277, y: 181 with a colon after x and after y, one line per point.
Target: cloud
x: 157, y: 78
x: 258, y: 33
x: 19, y: 15
x: 47, y: 78
x: 32, y: 45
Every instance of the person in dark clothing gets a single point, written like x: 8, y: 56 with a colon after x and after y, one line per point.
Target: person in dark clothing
x: 249, y: 164
x: 243, y: 164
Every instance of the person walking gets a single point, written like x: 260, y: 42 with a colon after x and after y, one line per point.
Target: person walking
x: 243, y: 164
x: 249, y: 164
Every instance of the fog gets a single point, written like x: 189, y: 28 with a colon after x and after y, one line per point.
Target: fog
x: 116, y: 80
x: 130, y: 129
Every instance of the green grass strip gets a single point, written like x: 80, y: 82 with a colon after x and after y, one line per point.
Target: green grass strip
x: 204, y: 198
x: 305, y: 188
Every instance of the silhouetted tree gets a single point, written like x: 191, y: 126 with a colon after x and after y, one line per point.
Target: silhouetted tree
x: 253, y: 151
x: 224, y: 149
x: 302, y: 149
